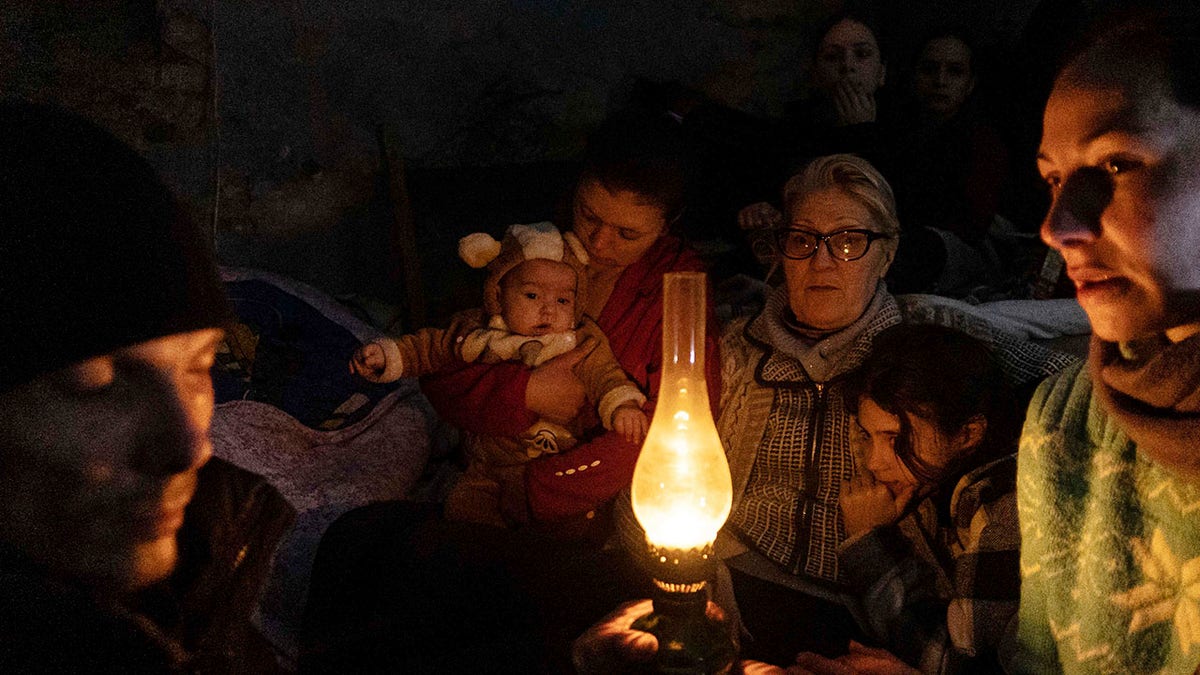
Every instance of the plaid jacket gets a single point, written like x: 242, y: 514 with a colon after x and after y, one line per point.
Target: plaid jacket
x: 942, y: 593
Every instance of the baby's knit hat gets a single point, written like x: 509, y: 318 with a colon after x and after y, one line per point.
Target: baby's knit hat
x: 521, y: 243
x: 94, y: 253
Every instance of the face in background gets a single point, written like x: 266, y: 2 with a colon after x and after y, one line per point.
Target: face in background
x: 826, y: 293
x: 849, y: 53
x: 933, y: 448
x: 616, y: 228
x: 944, y: 78
x: 537, y: 297
x: 99, y: 459
x: 1122, y: 159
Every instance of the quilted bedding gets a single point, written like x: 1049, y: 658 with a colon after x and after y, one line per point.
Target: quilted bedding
x: 290, y: 411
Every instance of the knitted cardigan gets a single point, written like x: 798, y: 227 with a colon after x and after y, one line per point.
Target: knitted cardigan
x: 1110, y: 556
x: 754, y: 372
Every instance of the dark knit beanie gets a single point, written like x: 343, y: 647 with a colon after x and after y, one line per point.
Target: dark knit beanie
x: 94, y: 253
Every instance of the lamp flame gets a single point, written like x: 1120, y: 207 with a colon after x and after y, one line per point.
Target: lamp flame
x: 681, y: 488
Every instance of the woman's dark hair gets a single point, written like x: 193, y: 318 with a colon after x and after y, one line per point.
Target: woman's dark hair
x: 856, y: 13
x: 960, y: 33
x: 1133, y: 42
x: 640, y: 151
x: 946, y: 378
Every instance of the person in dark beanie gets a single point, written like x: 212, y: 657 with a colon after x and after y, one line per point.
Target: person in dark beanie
x: 120, y: 550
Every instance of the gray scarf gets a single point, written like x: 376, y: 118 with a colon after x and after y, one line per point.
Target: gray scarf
x: 819, y: 355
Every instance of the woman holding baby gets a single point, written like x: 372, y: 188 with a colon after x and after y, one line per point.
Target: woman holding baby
x: 629, y: 195
x: 398, y: 587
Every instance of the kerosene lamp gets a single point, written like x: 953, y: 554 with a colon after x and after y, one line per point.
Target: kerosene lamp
x: 682, y: 492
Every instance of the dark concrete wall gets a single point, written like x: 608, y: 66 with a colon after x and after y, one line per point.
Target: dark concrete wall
x: 276, y: 105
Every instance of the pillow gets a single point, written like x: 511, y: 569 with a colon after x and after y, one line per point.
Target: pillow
x: 285, y: 352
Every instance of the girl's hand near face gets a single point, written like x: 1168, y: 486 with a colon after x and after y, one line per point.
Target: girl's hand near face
x: 852, y: 105
x: 866, y: 503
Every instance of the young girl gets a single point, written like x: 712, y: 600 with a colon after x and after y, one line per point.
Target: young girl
x: 932, y: 547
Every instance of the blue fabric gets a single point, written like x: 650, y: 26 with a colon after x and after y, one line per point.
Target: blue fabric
x: 300, y: 362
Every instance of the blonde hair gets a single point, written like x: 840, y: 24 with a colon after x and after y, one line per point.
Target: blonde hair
x: 857, y: 178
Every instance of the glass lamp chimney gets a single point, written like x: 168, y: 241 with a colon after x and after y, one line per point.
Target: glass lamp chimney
x: 681, y: 487
x: 682, y: 492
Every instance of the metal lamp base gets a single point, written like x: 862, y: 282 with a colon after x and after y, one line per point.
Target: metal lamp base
x: 689, y: 641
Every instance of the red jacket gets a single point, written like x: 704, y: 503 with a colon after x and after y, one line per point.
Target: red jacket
x: 490, y: 399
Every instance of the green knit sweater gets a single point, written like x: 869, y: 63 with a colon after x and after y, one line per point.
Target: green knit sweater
x: 1110, y: 553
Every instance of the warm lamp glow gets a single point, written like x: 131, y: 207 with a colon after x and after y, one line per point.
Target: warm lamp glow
x: 682, y: 494
x: 681, y: 487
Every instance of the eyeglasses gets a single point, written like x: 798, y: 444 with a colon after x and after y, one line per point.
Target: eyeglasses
x: 845, y: 245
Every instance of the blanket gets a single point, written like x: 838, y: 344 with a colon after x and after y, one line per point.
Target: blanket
x: 290, y: 412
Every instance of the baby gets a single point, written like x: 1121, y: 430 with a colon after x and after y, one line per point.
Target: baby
x: 531, y: 312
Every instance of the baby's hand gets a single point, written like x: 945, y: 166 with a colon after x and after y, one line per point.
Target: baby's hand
x: 369, y: 362
x: 630, y: 422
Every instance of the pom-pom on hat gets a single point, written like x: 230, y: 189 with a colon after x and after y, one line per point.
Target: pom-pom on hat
x: 523, y: 242
x: 94, y: 253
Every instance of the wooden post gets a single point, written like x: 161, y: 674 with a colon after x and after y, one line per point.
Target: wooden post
x: 404, y: 263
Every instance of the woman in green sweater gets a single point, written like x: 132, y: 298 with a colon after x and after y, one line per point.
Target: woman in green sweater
x: 1109, y: 468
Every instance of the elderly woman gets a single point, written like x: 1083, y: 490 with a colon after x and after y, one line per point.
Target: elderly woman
x: 786, y: 422
x: 784, y: 419
x: 1109, y: 469
x: 849, y: 113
